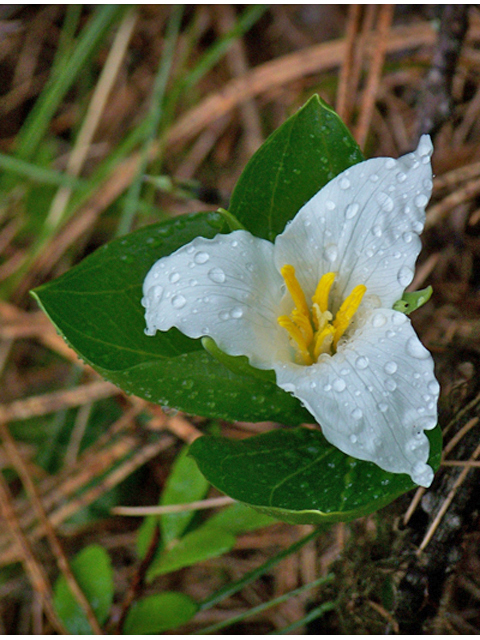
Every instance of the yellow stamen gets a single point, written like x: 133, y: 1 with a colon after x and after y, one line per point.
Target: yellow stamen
x: 304, y: 324
x: 347, y: 311
x: 293, y: 286
x: 322, y: 291
x: 313, y: 331
x: 323, y: 340
x: 296, y: 335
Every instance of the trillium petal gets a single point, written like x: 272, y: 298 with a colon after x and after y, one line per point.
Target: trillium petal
x: 226, y: 288
x: 375, y: 397
x: 364, y: 226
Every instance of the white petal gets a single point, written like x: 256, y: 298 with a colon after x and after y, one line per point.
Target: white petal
x: 375, y: 397
x: 226, y: 288
x: 363, y: 225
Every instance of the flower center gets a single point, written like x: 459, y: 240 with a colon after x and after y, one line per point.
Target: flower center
x: 313, y: 330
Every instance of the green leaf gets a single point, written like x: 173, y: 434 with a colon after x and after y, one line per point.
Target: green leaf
x: 238, y: 518
x: 158, y: 613
x: 185, y: 484
x: 96, y: 307
x: 199, y: 545
x: 93, y: 572
x: 413, y: 300
x: 295, y: 475
x: 297, y: 160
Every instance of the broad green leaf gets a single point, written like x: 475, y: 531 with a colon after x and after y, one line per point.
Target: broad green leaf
x: 96, y: 307
x: 295, y: 475
x: 93, y: 571
x: 158, y: 613
x: 184, y: 484
x: 297, y: 160
x: 238, y: 518
x: 199, y: 545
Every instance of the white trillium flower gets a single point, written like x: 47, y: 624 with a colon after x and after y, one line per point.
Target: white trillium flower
x: 316, y: 307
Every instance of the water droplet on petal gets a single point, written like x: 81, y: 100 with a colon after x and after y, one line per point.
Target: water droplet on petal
x: 378, y: 320
x: 357, y: 413
x: 331, y: 252
x: 330, y: 205
x: 224, y: 315
x: 178, y: 301
x: 352, y: 210
x: 390, y: 384
x: 405, y: 276
x: 374, y: 177
x: 407, y: 237
x: 433, y: 387
x: 401, y: 177
x: 327, y: 387
x: 201, y: 257
x: 415, y: 349
x: 399, y: 318
x: 361, y: 362
x: 422, y: 474
x: 174, y: 277
x: 155, y: 293
x: 390, y: 367
x: 344, y: 183
x: 353, y: 438
x: 382, y: 406
x: 216, y: 275
x: 390, y: 163
x: 421, y: 200
x: 377, y: 231
x: 385, y: 201
x: 339, y: 385
x: 236, y: 312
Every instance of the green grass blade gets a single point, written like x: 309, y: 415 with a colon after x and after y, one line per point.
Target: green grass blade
x: 265, y: 606
x: 154, y: 118
x: 312, y: 615
x: 31, y: 171
x: 232, y: 588
x: 39, y: 118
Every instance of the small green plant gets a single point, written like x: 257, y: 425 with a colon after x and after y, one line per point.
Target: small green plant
x: 238, y: 338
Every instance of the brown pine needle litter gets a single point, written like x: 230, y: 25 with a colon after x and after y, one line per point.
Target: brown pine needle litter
x: 81, y: 462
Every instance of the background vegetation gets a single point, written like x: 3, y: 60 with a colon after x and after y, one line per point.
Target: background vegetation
x: 113, y: 117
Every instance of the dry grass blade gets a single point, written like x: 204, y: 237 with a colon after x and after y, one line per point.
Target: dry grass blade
x: 375, y: 70
x: 348, y: 79
x: 444, y: 508
x: 60, y: 557
x: 25, y: 555
x: 156, y: 510
x: 57, y: 400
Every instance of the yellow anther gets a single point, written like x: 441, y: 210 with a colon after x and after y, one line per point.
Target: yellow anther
x: 313, y: 330
x: 293, y: 286
x: 304, y: 324
x: 347, y: 311
x: 323, y: 340
x: 322, y: 291
x: 296, y: 335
